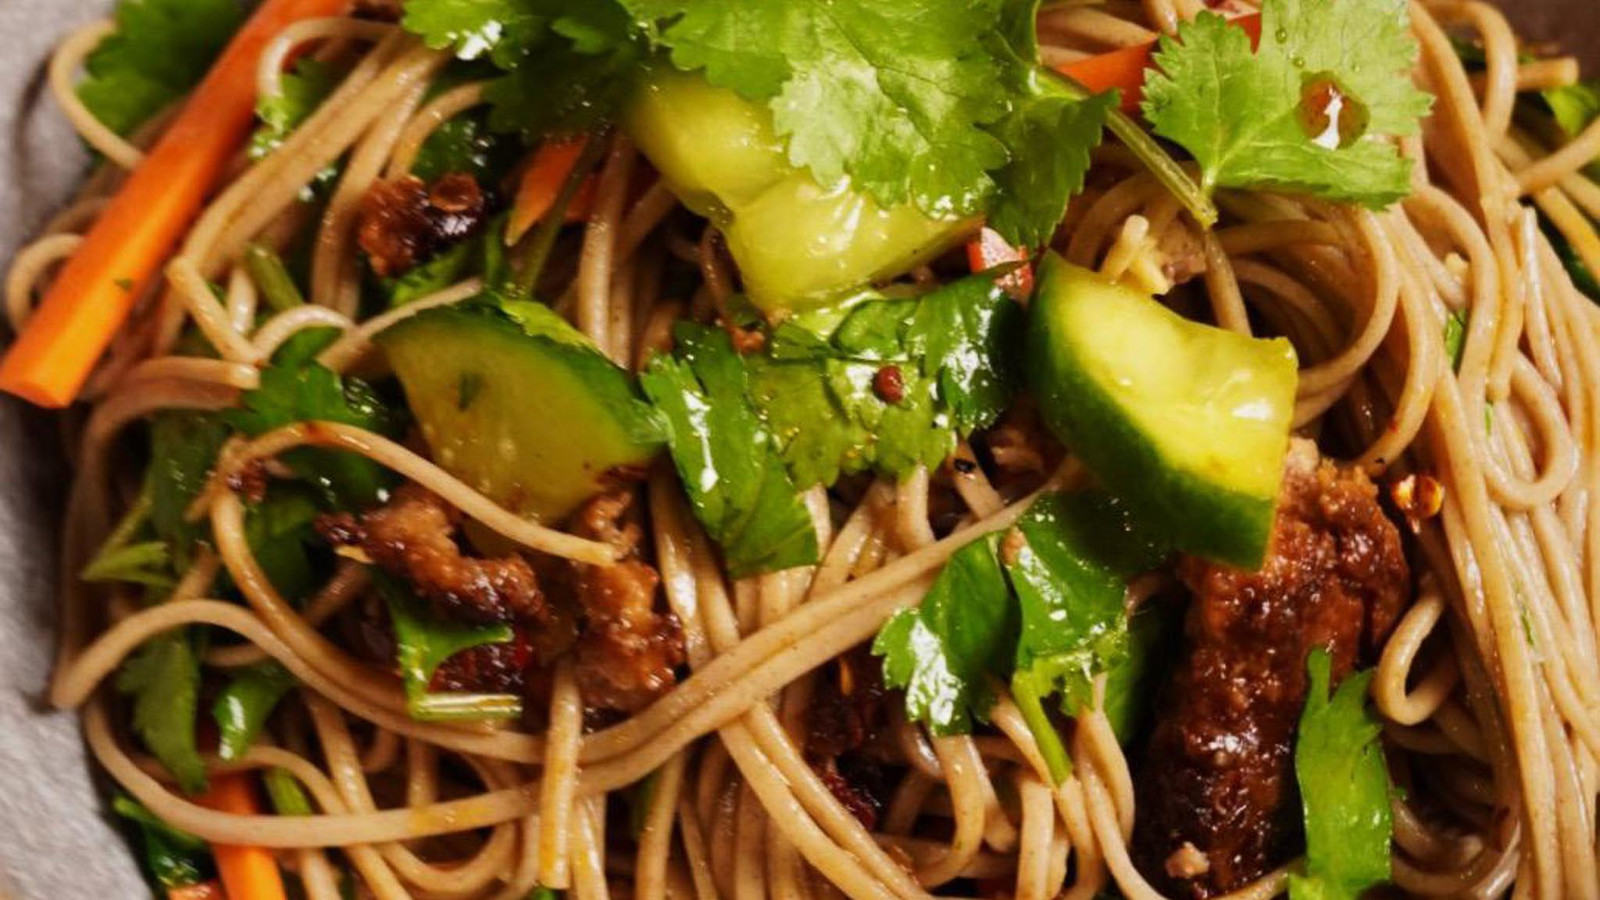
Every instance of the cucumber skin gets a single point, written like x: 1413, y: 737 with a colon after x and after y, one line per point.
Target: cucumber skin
x: 638, y: 433
x: 1196, y: 515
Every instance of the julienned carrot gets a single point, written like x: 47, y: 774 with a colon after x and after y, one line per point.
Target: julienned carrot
x: 541, y: 187
x: 247, y: 873
x: 1124, y: 69
x: 140, y: 229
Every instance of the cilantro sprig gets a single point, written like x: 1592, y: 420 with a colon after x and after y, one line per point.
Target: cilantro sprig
x: 819, y: 386
x: 160, y: 50
x: 1315, y: 110
x: 1344, y: 789
x: 944, y: 107
x: 725, y: 454
x: 1041, y: 607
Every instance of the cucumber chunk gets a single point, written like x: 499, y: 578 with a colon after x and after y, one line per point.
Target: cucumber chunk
x: 521, y: 406
x: 799, y: 244
x: 1188, y: 423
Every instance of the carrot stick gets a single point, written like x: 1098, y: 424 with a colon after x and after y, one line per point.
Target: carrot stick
x: 1124, y: 69
x: 247, y: 873
x: 541, y: 187
x: 126, y: 249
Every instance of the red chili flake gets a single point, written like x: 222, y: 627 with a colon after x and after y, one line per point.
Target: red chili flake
x: 889, y: 384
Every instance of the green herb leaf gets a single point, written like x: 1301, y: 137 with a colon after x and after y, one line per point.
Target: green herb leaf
x: 569, y: 63
x: 242, y: 708
x: 945, y: 652
x: 1261, y: 119
x: 894, y: 96
x: 951, y: 352
x: 1131, y: 685
x: 160, y: 50
x: 466, y: 144
x: 163, y: 678
x: 1047, y: 612
x: 183, y: 450
x: 963, y: 335
x: 727, y: 458
x: 304, y: 393
x: 1050, y: 137
x: 301, y: 91
x: 424, y: 642
x: 148, y: 563
x: 282, y: 534
x: 172, y: 858
x: 1344, y: 789
x: 1070, y: 576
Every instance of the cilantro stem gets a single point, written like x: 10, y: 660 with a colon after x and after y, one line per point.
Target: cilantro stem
x: 1150, y: 152
x: 1031, y: 705
x: 544, y: 237
x: 272, y: 278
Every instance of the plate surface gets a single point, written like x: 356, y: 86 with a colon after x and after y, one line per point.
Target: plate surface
x: 54, y: 840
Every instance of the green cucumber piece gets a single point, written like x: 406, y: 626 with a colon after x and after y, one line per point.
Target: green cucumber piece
x: 520, y: 405
x: 799, y: 245
x: 1188, y: 423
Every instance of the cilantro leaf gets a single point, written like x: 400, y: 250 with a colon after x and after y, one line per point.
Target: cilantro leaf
x: 172, y: 858
x: 183, y: 450
x: 1070, y: 576
x: 466, y: 144
x: 1263, y: 120
x: 1050, y: 139
x: 242, y: 707
x: 282, y: 535
x: 502, y: 30
x: 301, y: 92
x: 1043, y: 606
x: 1344, y: 789
x: 569, y: 63
x: 160, y: 50
x: 949, y: 351
x: 148, y: 563
x: 963, y: 333
x: 888, y: 94
x: 424, y: 642
x: 163, y: 678
x: 726, y: 457
x: 310, y: 392
x: 944, y: 652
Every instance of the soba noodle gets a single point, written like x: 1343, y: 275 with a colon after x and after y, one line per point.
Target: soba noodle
x: 1490, y: 686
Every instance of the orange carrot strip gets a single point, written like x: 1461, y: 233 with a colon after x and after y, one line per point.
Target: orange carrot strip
x: 248, y: 873
x: 140, y: 229
x: 989, y: 250
x: 1124, y: 69
x: 541, y: 187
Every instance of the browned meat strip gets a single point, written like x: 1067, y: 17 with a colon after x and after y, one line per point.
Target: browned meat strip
x: 628, y: 650
x: 489, y: 669
x: 850, y: 706
x: 848, y: 711
x: 413, y: 537
x: 405, y: 221
x: 1217, y: 802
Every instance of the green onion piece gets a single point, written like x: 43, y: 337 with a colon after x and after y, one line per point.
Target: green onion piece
x: 272, y: 278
